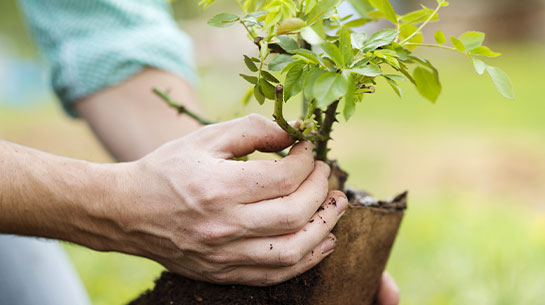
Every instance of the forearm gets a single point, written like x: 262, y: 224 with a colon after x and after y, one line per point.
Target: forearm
x: 55, y: 197
x: 131, y: 121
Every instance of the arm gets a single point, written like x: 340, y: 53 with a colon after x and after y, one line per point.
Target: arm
x: 131, y: 121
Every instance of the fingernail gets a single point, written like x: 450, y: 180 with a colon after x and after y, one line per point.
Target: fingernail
x: 341, y: 203
x: 328, y: 244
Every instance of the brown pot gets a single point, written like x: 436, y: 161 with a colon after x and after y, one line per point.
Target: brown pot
x: 350, y: 275
x: 365, y: 235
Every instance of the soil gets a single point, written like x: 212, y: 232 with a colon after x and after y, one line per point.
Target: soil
x: 172, y: 289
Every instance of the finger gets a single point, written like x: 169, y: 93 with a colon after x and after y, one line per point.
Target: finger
x: 290, y: 249
x: 291, y: 213
x: 257, y: 180
x: 266, y: 276
x: 388, y: 292
x: 239, y: 137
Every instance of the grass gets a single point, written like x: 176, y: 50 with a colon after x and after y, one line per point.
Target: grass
x: 474, y: 164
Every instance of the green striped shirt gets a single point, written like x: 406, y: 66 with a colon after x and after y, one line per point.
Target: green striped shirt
x: 95, y: 44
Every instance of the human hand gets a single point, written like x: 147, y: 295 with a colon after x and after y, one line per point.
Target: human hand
x: 388, y: 292
x: 205, y: 216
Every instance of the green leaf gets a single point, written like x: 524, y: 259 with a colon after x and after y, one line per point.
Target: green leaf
x: 286, y: 43
x: 502, y: 82
x: 311, y: 36
x: 268, y: 90
x: 322, y: 7
x: 309, y: 5
x: 292, y: 64
x: 223, y: 20
x: 280, y: 61
x: 392, y: 61
x: 334, y: 53
x: 259, y: 95
x: 379, y: 39
x: 345, y: 45
x: 479, y: 65
x: 484, y: 51
x: 294, y: 81
x: 358, y: 39
x: 427, y: 83
x: 310, y: 81
x: 290, y: 25
x: 250, y: 64
x: 328, y: 88
x: 309, y: 56
x: 457, y: 44
x: 356, y: 23
x: 440, y: 37
x: 370, y: 70
x: 472, y: 40
x: 363, y: 7
x: 385, y: 7
x: 426, y: 63
x: 251, y: 79
x: 268, y: 76
x: 394, y: 85
x: 350, y: 99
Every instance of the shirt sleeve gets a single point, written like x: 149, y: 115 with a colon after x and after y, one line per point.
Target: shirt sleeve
x: 95, y: 44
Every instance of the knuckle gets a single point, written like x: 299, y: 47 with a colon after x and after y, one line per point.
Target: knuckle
x: 254, y: 118
x: 219, y: 258
x: 212, y: 234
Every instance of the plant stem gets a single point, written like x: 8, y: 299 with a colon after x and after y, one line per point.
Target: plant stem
x: 325, y: 131
x: 423, y: 24
x: 281, y: 121
x: 181, y: 109
x: 247, y: 30
x: 431, y: 46
x: 279, y: 115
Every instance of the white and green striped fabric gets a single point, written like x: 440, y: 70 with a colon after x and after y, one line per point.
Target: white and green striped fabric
x: 95, y: 44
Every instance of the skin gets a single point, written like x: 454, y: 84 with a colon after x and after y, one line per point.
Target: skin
x: 185, y: 204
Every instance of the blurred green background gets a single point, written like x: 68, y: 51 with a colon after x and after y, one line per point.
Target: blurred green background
x: 474, y: 163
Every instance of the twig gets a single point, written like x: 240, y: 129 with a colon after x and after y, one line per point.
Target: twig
x: 431, y: 46
x: 181, y: 109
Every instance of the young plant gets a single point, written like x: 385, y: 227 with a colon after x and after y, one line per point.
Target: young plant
x: 308, y: 52
x: 324, y: 58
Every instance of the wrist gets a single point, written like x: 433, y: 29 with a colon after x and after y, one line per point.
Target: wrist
x: 104, y: 207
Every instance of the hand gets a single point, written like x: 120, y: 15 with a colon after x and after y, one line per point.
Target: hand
x: 388, y: 292
x: 205, y: 216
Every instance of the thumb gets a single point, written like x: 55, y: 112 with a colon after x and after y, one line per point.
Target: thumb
x: 253, y: 132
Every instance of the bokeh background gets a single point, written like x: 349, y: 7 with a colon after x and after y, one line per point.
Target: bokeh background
x: 474, y: 162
